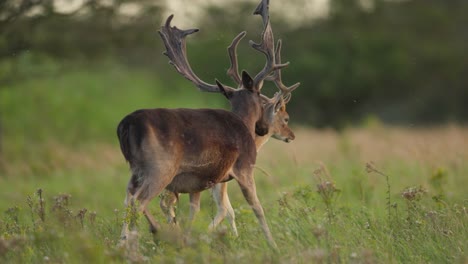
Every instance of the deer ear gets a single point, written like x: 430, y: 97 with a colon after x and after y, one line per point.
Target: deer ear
x: 279, y: 103
x: 247, y: 81
x: 226, y: 92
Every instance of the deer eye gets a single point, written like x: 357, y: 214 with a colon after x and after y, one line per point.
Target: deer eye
x: 286, y: 120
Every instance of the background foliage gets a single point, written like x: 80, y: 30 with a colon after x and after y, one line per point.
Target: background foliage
x: 400, y: 61
x: 366, y: 193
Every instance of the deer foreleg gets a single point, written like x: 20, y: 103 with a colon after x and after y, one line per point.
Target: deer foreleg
x: 224, y: 207
x: 250, y: 194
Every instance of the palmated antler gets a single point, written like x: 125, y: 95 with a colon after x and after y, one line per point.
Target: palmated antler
x: 174, y: 40
x: 266, y: 46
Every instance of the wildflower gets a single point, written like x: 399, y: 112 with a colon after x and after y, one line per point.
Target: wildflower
x: 319, y: 231
x: 413, y: 193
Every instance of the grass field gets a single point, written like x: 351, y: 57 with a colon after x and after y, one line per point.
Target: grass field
x: 375, y: 194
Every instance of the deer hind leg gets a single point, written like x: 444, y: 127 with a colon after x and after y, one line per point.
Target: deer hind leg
x: 144, y: 188
x: 249, y: 191
x: 167, y: 205
x: 194, y: 205
x: 129, y: 203
x: 194, y: 209
x: 224, y: 207
x: 168, y: 201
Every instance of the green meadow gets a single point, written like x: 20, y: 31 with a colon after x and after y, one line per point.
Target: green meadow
x: 371, y: 193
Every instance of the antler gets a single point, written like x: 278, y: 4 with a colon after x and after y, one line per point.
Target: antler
x: 266, y: 46
x: 174, y: 40
x: 276, y: 77
x: 273, y: 66
x: 233, y: 71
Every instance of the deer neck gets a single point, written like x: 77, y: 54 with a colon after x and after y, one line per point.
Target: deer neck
x: 261, y: 140
x: 249, y: 122
x: 247, y: 118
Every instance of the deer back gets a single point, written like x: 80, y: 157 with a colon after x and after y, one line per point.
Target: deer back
x: 201, y: 144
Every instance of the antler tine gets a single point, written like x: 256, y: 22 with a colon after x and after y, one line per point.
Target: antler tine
x: 276, y: 76
x: 174, y: 40
x: 273, y: 100
x: 233, y: 71
x: 263, y: 10
x: 267, y: 45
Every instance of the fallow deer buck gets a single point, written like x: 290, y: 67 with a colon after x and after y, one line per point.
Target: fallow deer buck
x: 278, y: 129
x: 191, y: 150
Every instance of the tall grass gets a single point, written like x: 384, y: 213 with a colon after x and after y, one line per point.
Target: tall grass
x: 62, y: 185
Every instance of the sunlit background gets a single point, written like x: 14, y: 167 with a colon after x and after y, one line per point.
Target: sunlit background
x: 383, y: 83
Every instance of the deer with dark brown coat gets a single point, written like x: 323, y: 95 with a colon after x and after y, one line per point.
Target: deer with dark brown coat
x: 277, y: 128
x: 191, y: 150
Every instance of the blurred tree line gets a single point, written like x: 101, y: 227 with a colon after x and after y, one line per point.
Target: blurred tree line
x: 400, y: 61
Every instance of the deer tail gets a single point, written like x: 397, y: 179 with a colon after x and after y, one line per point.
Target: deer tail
x: 123, y: 134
